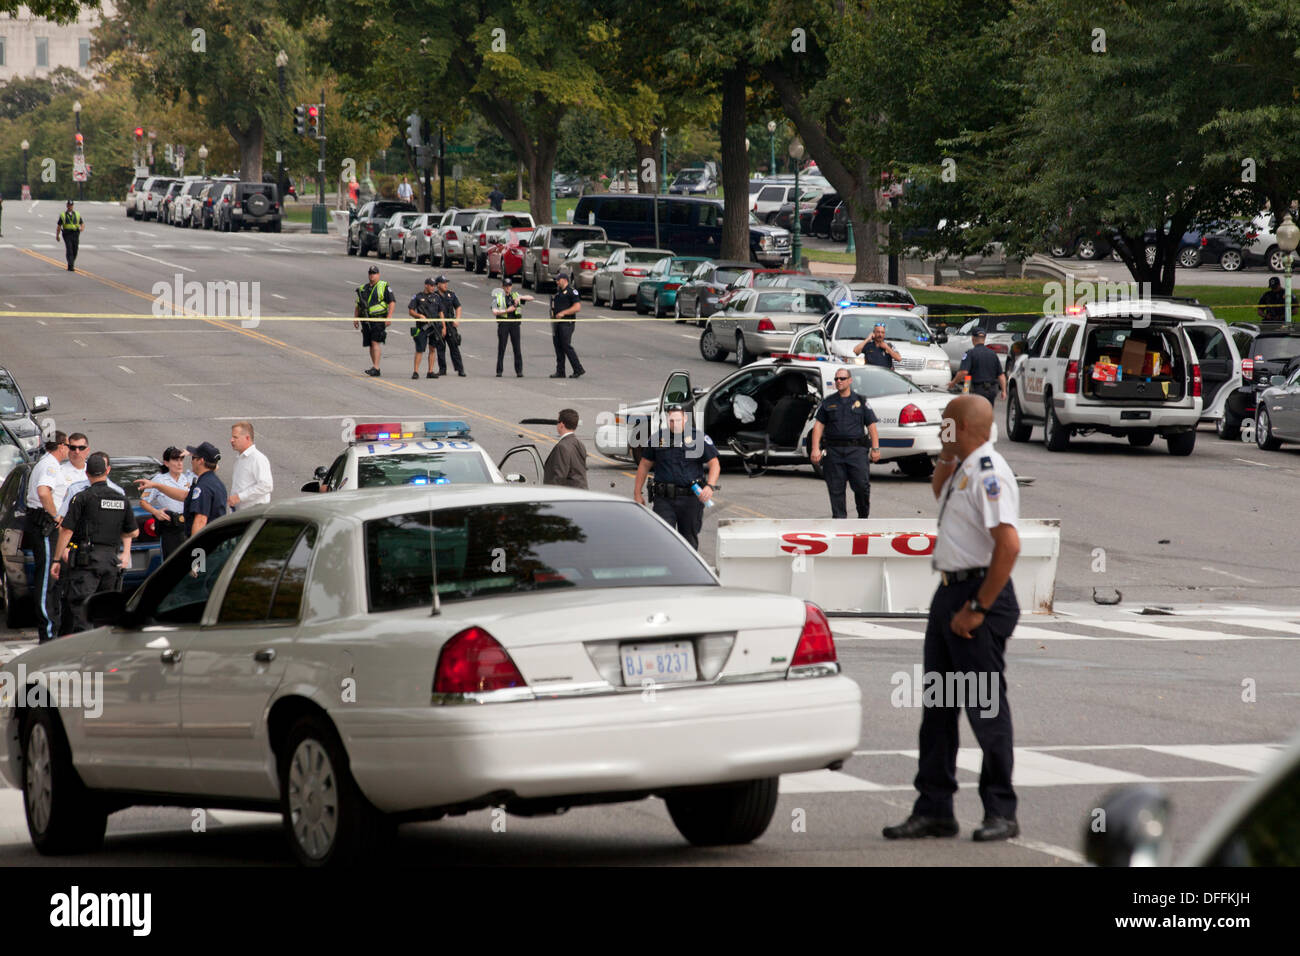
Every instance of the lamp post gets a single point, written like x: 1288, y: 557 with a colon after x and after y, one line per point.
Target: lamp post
x: 747, y: 163
x: 76, y: 114
x: 796, y: 153
x: 153, y: 135
x: 771, y: 131
x: 663, y: 160
x: 25, y: 145
x: 203, y: 160
x: 1288, y: 236
x: 281, y: 61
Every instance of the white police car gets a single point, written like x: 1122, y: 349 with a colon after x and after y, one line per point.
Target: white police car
x: 439, y: 451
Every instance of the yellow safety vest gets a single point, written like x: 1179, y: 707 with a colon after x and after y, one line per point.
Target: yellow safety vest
x: 499, y: 301
x: 71, y: 222
x: 371, y: 299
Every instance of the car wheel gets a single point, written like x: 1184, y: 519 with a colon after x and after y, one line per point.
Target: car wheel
x: 1017, y: 428
x: 1181, y: 443
x: 1230, y: 261
x: 725, y: 815
x: 62, y: 815
x: 469, y: 261
x: 595, y: 293
x: 480, y: 263
x: 275, y: 226
x: 677, y: 311
x: 640, y: 306
x: 1059, y: 251
x: 1055, y: 435
x: 1189, y: 257
x: 1264, y: 431
x: 916, y: 466
x: 1227, y: 430
x: 743, y: 355
x: 1277, y: 260
x: 614, y: 301
x: 1141, y: 439
x: 446, y: 260
x: 1087, y: 249
x: 710, y: 347
x: 659, y: 311
x: 327, y: 819
x: 352, y: 250
x: 1150, y: 252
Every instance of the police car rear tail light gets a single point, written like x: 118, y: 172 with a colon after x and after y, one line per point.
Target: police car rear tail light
x: 1196, y: 381
x: 1072, y: 378
x: 815, y: 654
x: 911, y: 415
x: 473, y: 662
x: 634, y: 272
x: 1075, y: 310
x: 766, y: 325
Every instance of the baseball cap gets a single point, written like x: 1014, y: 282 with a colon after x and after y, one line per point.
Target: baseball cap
x: 97, y: 464
x: 205, y: 450
x: 563, y: 275
x: 506, y: 280
x: 373, y: 270
x: 675, y: 407
x: 978, y: 334
x: 437, y: 280
x: 432, y: 281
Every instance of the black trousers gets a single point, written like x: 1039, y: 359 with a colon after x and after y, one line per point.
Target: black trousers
x: 982, y: 655
x: 70, y: 242
x: 45, y: 590
x: 171, y: 534
x: 562, y: 336
x: 685, y: 513
x: 442, y: 346
x: 849, y: 464
x: 104, y: 574
x: 509, y: 330
x: 989, y: 390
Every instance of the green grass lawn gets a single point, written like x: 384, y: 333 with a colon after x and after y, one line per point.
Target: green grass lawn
x: 562, y: 207
x: 298, y: 212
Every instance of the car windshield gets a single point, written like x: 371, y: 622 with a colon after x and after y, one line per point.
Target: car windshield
x: 688, y: 176
x: 435, y: 468
x: 873, y: 381
x: 11, y: 402
x: 891, y: 296
x: 548, y: 545
x: 792, y: 300
x: 565, y: 238
x: 900, y: 327
x: 1270, y: 347
x: 126, y: 473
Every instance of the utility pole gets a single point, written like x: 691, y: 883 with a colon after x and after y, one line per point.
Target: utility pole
x: 319, y: 214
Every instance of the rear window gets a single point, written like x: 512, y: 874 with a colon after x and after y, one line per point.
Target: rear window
x: 643, y: 256
x: 1275, y: 347
x: 464, y: 218
x: 546, y: 545
x: 567, y: 238
x: 793, y: 300
x: 125, y: 475
x: 266, y: 189
x: 374, y: 471
x: 726, y: 276
x: 510, y: 222
x: 385, y: 210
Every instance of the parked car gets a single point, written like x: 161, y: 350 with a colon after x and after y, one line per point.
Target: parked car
x: 823, y: 284
x: 616, y: 281
x: 785, y: 216
x: 393, y: 234
x: 567, y: 185
x: 657, y: 292
x: 547, y: 247
x: 1265, y: 354
x: 418, y: 242
x: 1189, y: 249
x: 505, y: 257
x: 1087, y: 244
x: 11, y: 452
x: 921, y: 360
x: 1244, y: 243
x: 183, y: 205
x: 773, y: 196
x: 585, y: 259
x: 487, y: 228
x: 165, y: 204
x: 131, y: 192
x: 695, y: 181
x: 368, y: 222
x: 245, y: 205
x: 1001, y: 332
x: 876, y: 293
x: 487, y: 690
x: 701, y: 294
x: 148, y: 197
x: 840, y: 223
x: 757, y: 322
x: 448, y: 240
x: 818, y: 223
x: 205, y: 213
x: 753, y: 278
x: 1277, y: 411
x: 19, y: 416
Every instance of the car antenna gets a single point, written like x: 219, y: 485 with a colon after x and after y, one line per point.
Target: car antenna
x: 433, y: 565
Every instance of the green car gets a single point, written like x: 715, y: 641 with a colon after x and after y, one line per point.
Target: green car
x: 657, y: 293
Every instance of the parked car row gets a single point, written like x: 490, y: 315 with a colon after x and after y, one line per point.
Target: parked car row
x: 1231, y: 245
x: 224, y: 203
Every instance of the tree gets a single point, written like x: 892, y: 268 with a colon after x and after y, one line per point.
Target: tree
x: 57, y: 11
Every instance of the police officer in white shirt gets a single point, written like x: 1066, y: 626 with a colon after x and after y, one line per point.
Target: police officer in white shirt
x: 169, y: 511
x: 46, y: 490
x: 250, y: 483
x: 74, y: 469
x: 973, y: 612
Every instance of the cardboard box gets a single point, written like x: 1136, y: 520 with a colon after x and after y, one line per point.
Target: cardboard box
x: 1152, y: 365
x: 1133, y: 356
x: 1105, y: 372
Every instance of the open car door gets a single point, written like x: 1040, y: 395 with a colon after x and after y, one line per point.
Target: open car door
x: 529, y: 465
x: 811, y: 341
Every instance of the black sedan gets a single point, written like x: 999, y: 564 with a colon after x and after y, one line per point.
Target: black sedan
x: 1274, y: 351
x: 698, y: 296
x: 369, y: 221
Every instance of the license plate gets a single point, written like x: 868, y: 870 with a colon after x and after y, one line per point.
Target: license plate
x: 1135, y: 414
x: 666, y: 663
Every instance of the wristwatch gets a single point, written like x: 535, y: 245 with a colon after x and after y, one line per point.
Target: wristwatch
x: 975, y: 606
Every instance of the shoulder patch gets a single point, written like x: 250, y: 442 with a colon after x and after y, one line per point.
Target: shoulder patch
x: 991, y: 487
x: 708, y: 440
x: 196, y: 493
x: 986, y: 463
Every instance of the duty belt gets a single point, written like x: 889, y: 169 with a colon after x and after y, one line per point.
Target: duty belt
x: 672, y: 491
x: 956, y: 577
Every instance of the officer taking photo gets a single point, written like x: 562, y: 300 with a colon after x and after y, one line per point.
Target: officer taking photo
x: 97, y: 533
x: 845, y: 442
x: 686, y: 473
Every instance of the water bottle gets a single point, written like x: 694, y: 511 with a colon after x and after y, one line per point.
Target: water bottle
x: 695, y: 487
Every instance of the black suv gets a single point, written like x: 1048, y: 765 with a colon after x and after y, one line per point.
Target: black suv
x: 1272, y: 352
x: 244, y: 205
x: 369, y: 221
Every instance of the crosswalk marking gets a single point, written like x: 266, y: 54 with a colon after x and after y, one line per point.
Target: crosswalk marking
x: 1084, y: 629
x: 1251, y: 757
x: 1034, y: 769
x: 825, y: 781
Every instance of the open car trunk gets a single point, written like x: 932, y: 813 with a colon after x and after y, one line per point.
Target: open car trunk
x: 1120, y: 363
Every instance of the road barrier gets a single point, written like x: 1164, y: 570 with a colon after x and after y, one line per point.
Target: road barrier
x: 872, y: 566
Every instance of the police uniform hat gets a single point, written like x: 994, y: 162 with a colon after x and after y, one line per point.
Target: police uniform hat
x: 564, y: 275
x: 436, y: 281
x: 205, y: 450
x: 373, y: 270
x: 978, y: 334
x: 675, y: 407
x: 97, y: 465
x: 506, y: 280
x: 69, y: 202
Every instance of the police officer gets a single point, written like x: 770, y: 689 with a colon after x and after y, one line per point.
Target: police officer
x: 374, y: 313
x: 207, y: 497
x: 876, y: 350
x: 973, y: 612
x: 686, y: 473
x: 565, y: 304
x: 47, y: 486
x: 984, y: 367
x: 845, y: 427
x: 505, y: 306
x: 449, y: 304
x: 422, y: 307
x: 99, y: 527
x: 71, y: 226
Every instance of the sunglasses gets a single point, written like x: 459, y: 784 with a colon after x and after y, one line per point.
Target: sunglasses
x: 78, y: 447
x: 841, y: 378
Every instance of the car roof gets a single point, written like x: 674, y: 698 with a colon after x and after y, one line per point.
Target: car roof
x: 1162, y: 308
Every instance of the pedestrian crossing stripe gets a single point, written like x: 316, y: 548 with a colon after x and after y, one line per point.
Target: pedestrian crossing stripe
x: 1077, y: 629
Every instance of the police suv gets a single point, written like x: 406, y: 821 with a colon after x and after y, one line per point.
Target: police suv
x: 436, y: 452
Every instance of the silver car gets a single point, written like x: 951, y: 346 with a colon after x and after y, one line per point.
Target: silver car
x: 756, y: 322
x: 546, y: 249
x: 418, y: 244
x: 448, y: 238
x: 389, y: 243
x: 625, y: 269
x: 489, y: 228
x: 148, y: 196
x: 183, y: 205
x: 584, y: 259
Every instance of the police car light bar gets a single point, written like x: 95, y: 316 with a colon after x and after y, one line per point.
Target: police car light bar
x: 407, y: 431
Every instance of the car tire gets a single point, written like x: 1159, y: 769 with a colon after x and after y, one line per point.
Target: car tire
x: 1088, y: 250
x: 1227, y: 430
x: 1141, y: 439
x: 1276, y: 260
x: 1017, y: 428
x: 595, y: 296
x: 916, y: 466
x: 17, y: 615
x: 469, y: 262
x: 275, y: 226
x: 480, y: 264
x: 314, y: 770
x: 743, y: 355
x: 1189, y: 257
x: 352, y: 250
x: 640, y: 308
x: 1182, y: 443
x: 445, y: 260
x: 1056, y: 437
x: 677, y: 311
x: 1264, y: 431
x: 710, y: 348
x: 659, y: 311
x: 62, y: 815
x: 615, y: 302
x: 1231, y: 260
x: 1150, y: 251
x: 726, y: 815
x: 1059, y: 251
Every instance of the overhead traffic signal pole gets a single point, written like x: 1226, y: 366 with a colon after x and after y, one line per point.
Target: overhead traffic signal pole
x: 319, y: 214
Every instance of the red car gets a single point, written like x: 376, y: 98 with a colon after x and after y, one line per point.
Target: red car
x: 507, y: 258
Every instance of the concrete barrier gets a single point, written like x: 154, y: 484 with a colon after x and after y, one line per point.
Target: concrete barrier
x: 872, y: 566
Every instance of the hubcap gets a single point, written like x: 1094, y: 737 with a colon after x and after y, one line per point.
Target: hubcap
x: 313, y: 799
x: 40, y: 780
x: 1261, y: 432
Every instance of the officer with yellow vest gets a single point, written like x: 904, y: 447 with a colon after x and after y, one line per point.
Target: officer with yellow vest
x: 70, y: 228
x: 374, y: 312
x: 505, y: 306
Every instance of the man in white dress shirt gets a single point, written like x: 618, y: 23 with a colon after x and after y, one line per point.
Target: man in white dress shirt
x: 250, y: 484
x: 46, y: 489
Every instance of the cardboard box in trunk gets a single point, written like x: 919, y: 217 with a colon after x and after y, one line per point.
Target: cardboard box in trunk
x: 1133, y: 356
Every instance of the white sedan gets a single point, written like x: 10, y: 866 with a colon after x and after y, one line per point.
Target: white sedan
x: 361, y: 659
x: 763, y: 413
x: 921, y: 360
x: 1001, y: 332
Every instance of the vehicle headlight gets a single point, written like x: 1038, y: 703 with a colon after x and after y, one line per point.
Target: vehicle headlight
x: 765, y: 242
x: 936, y: 363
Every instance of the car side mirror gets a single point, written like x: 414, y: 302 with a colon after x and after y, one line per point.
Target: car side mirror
x: 515, y: 478
x: 1129, y: 828
x: 41, y: 404
x: 106, y: 608
x: 941, y: 337
x: 320, y: 473
x: 311, y: 487
x: 699, y: 390
x: 1277, y: 380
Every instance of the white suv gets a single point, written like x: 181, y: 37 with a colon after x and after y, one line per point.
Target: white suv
x: 1118, y: 369
x: 767, y: 202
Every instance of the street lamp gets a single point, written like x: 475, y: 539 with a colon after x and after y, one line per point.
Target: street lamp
x: 281, y: 61
x: 1288, y: 236
x: 663, y: 161
x: 25, y: 146
x: 771, y: 166
x: 203, y: 160
x: 76, y: 113
x: 153, y: 135
x: 796, y: 153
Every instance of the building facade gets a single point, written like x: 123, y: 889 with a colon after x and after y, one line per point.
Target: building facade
x: 34, y: 47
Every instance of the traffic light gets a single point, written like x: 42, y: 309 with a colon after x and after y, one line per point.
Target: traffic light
x: 139, y: 134
x: 313, y: 121
x: 80, y: 141
x: 414, y: 131
x: 300, y: 120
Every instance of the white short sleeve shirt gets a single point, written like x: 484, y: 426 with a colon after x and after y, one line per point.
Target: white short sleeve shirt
x: 48, y: 473
x: 980, y: 495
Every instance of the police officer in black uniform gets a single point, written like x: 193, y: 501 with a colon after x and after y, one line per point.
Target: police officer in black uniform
x: 680, y: 462
x: 846, y: 428
x: 99, y: 526
x: 565, y: 304
x: 876, y: 350
x: 424, y: 306
x: 985, y: 369
x: 449, y: 303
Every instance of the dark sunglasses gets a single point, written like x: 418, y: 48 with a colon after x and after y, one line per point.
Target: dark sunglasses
x: 842, y: 378
x: 78, y: 447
